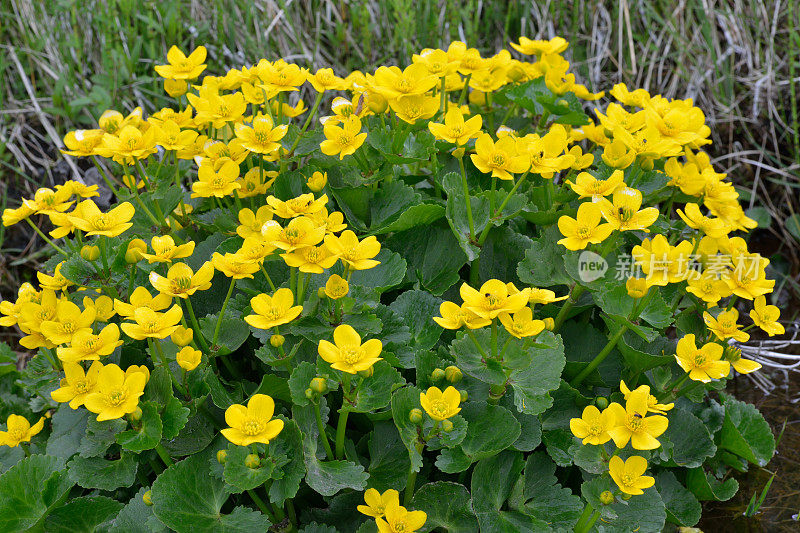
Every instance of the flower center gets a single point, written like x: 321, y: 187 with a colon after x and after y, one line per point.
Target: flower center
x: 17, y: 433
x: 182, y: 283
x: 627, y: 479
x: 81, y: 387
x: 584, y: 232
x: 699, y: 359
x: 635, y: 422
x: 116, y: 397
x: 498, y: 160
x: 345, y: 139
x: 441, y: 408
x: 351, y: 354
x: 252, y: 427
x: 101, y: 221
x: 492, y: 300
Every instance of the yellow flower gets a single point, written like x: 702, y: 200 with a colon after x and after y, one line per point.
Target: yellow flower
x: 282, y: 77
x: 180, y: 66
x: 631, y: 423
x: 181, y: 281
x: 254, y: 423
x: 170, y: 136
x: 164, y: 250
x: 18, y: 430
x: 300, y: 232
x: 713, y: 227
x: 593, y: 426
x: 345, y: 140
x: 709, y: 287
x: 377, y: 502
x: 68, y: 321
x: 546, y: 153
x: 182, y: 336
x: 188, y: 358
x: 141, y: 297
x: 585, y: 229
x: 355, y: 254
x: 117, y: 393
x: 662, y: 263
x: 317, y: 181
x: 766, y: 317
x: 492, y: 299
x: 636, y: 287
x: 13, y: 216
x: 94, y: 222
x: 56, y: 282
x: 336, y: 287
x: 88, y: 346
x: 251, y: 223
x: 398, y: 519
x: 262, y: 136
x: 83, y: 143
x: 652, y: 402
x: 103, y: 307
x: 217, y: 109
x: 391, y: 82
x: 313, y: 259
x: 501, y: 158
x: 305, y: 204
x: 455, y: 316
x: 440, y: 405
x: 616, y: 155
x: 325, y: 80
x: 587, y: 186
x: 133, y: 254
x: 271, y: 311
x: 526, y: 46
x: 176, y: 88
x: 48, y: 202
x: 252, y: 184
x: 629, y: 474
x: 539, y: 296
x: 348, y: 354
x: 150, y: 324
x: 129, y: 144
x: 702, y: 364
x: 333, y: 223
x: 623, y: 211
x: 522, y: 324
x: 413, y: 107
x: 733, y: 355
x: 77, y: 384
x: 725, y: 326
x: 455, y: 129
x: 234, y: 266
x: 216, y: 180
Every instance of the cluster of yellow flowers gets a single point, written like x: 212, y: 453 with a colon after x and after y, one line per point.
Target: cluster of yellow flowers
x: 237, y: 129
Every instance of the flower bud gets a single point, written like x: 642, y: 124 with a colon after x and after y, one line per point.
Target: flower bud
x: 636, y: 287
x: 601, y: 402
x: 336, y: 287
x: 376, y: 102
x: 134, y: 252
x: 309, y: 394
x: 606, y: 497
x: 188, y: 358
x: 464, y: 395
x: 252, y: 461
x: 415, y: 416
x: 319, y: 385
x: 453, y: 374
x: 136, y: 415
x: 321, y: 293
x: 277, y: 340
x: 367, y: 373
x: 147, y: 498
x: 458, y: 153
x: 549, y: 323
x: 182, y: 336
x: 90, y: 253
x: 176, y: 88
x: 626, y: 497
x: 438, y: 374
x: 447, y: 426
x: 562, y: 103
x: 317, y: 181
x: 222, y: 456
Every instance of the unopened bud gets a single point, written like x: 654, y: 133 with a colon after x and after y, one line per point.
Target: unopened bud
x: 147, y: 498
x: 606, y: 497
x: 447, y: 426
x: 134, y: 252
x: 464, y: 395
x: 437, y: 375
x: 367, y: 373
x: 319, y: 385
x: 549, y: 323
x: 136, y: 415
x: 222, y: 456
x: 321, y: 293
x: 90, y: 253
x: 252, y: 461
x: 562, y: 103
x: 277, y: 340
x: 601, y: 402
x: 415, y: 416
x: 626, y: 497
x: 309, y: 394
x: 453, y: 374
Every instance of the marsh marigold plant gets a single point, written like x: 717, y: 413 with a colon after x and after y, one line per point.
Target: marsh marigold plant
x: 468, y: 293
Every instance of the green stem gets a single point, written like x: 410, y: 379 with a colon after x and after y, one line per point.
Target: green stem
x: 495, y: 214
x: 163, y: 454
x: 599, y: 358
x: 222, y: 312
x: 442, y: 109
x: 587, y: 512
x: 411, y: 480
x: 269, y: 280
x: 301, y: 287
x: 262, y: 506
x: 293, y: 281
x: 494, y: 339
x: 467, y: 200
x: 477, y: 344
x: 49, y: 356
x: 46, y: 239
x: 196, y: 326
x: 105, y: 177
x: 464, y: 90
x: 103, y: 254
x: 340, y: 430
x: 574, y: 294
x: 322, y: 433
x: 308, y: 122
